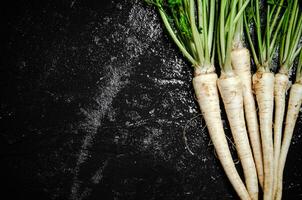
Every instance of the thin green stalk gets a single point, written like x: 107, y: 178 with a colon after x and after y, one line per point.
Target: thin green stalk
x: 182, y: 37
x: 219, y: 48
x: 237, y: 42
x: 247, y: 28
x: 216, y: 39
x: 193, y: 37
x: 200, y: 18
x: 271, y: 48
x: 266, y: 40
x: 268, y: 58
x: 222, y: 29
x: 205, y: 32
x: 276, y: 14
x: 272, y: 11
x: 175, y: 39
x: 211, y: 25
x: 281, y: 50
x: 291, y: 36
x: 296, y: 53
x: 290, y: 29
x: 295, y: 43
x: 227, y: 63
x: 258, y: 28
x: 239, y: 15
x: 299, y: 69
x: 195, y: 32
x: 226, y: 36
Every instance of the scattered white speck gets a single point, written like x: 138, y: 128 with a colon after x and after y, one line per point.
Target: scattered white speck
x: 151, y: 112
x: 119, y: 6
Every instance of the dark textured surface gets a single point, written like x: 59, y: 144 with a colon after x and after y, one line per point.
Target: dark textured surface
x: 94, y: 99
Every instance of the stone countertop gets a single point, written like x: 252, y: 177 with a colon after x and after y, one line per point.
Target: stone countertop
x: 94, y: 101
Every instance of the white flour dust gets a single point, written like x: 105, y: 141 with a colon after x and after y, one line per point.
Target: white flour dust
x: 134, y: 38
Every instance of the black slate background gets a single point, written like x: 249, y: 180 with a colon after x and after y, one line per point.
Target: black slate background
x: 94, y: 100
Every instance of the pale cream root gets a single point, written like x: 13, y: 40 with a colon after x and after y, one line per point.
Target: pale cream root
x: 294, y: 104
x: 281, y: 83
x: 263, y: 84
x: 207, y: 96
x: 241, y: 65
x: 230, y: 88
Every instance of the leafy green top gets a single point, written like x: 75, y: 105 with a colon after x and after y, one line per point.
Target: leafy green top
x: 191, y: 27
x: 229, y: 30
x: 291, y: 35
x: 268, y: 34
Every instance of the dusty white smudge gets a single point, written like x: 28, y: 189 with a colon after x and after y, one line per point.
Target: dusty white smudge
x: 97, y: 177
x: 171, y: 81
x: 136, y: 35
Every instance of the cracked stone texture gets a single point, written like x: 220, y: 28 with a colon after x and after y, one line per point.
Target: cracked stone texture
x: 94, y: 101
